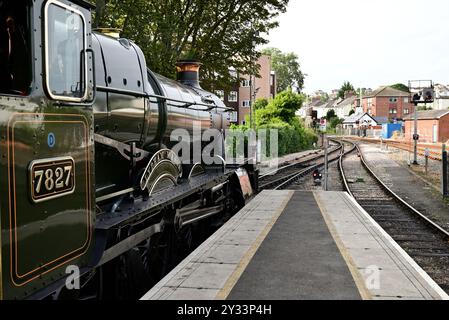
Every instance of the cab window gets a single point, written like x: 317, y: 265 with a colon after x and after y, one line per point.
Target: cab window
x: 15, y: 53
x: 65, y: 52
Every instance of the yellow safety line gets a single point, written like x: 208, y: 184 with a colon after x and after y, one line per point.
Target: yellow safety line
x: 235, y: 276
x: 358, y: 279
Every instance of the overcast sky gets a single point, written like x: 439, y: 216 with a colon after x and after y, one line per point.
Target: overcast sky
x: 367, y: 42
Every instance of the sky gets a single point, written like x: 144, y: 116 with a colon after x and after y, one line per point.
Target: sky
x: 367, y: 42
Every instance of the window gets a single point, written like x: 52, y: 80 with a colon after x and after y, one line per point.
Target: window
x: 271, y: 80
x: 246, y: 83
x: 233, y: 116
x: 246, y: 103
x: 233, y: 96
x: 406, y: 100
x: 393, y: 100
x: 65, y: 52
x: 220, y: 94
x: 406, y: 111
x: 393, y: 111
x: 15, y: 48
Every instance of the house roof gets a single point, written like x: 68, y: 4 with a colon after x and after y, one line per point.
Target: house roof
x: 356, y: 117
x: 317, y: 103
x: 428, y: 115
x: 331, y: 104
x: 387, y: 92
x: 347, y: 101
x: 381, y: 120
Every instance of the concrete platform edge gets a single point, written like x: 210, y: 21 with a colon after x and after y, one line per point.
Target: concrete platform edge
x: 395, y: 245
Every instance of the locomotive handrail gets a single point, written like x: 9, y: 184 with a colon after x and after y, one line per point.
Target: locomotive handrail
x: 186, y: 105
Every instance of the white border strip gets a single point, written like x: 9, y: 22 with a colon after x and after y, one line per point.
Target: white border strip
x: 413, y: 264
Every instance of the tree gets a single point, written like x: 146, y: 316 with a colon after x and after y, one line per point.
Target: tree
x: 334, y: 122
x: 279, y: 115
x: 345, y: 88
x: 287, y: 68
x: 401, y: 86
x: 330, y: 114
x: 280, y: 109
x: 261, y: 103
x: 221, y: 34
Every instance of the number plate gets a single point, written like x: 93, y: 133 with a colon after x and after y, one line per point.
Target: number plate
x: 52, y: 178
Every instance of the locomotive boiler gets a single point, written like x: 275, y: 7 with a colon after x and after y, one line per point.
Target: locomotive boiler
x: 92, y: 188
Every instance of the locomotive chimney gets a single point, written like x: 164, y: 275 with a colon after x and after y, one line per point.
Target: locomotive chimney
x: 188, y: 72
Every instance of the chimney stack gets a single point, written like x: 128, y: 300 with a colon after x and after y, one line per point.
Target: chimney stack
x: 188, y: 72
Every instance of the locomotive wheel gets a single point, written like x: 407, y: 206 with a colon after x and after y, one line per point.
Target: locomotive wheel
x: 156, y: 255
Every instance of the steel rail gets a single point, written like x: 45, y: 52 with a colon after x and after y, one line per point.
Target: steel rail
x: 295, y: 176
x: 302, y: 160
x: 391, y: 192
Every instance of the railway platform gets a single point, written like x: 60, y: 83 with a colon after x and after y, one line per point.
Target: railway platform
x: 287, y: 245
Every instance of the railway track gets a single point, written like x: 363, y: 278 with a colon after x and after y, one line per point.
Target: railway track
x: 286, y: 175
x: 425, y: 241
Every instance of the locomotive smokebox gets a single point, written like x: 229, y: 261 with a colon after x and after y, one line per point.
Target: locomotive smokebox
x: 188, y: 72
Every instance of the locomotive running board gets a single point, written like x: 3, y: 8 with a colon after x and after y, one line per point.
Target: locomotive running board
x: 140, y: 206
x: 134, y: 210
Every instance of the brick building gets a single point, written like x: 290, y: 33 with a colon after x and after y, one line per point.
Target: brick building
x: 388, y: 102
x: 239, y: 97
x: 433, y: 126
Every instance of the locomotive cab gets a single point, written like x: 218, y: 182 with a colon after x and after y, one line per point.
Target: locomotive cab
x: 87, y: 169
x: 15, y: 48
x: 46, y: 129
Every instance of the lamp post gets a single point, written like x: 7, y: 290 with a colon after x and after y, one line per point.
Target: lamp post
x: 415, y: 135
x: 251, y: 117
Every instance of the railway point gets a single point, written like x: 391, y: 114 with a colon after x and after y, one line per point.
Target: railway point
x: 287, y: 245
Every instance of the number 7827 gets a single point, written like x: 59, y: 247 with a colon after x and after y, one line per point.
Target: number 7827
x: 51, y: 178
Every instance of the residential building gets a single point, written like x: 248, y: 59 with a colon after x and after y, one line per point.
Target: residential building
x: 441, y: 97
x: 264, y: 86
x: 273, y: 84
x: 433, y: 126
x: 388, y: 102
x: 239, y: 97
x: 343, y: 109
x: 359, y: 120
x: 334, y: 94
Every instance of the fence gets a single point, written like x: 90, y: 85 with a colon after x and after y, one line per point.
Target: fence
x: 370, y: 133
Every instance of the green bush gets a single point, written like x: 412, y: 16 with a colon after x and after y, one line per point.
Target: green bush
x: 279, y: 114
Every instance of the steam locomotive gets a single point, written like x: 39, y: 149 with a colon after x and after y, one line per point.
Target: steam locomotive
x: 91, y: 189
